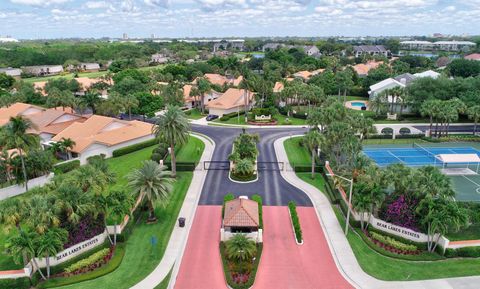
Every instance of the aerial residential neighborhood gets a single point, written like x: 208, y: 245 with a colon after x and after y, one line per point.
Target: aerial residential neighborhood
x: 289, y: 144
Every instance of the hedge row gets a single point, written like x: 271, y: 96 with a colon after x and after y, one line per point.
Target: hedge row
x: 253, y: 273
x: 295, y: 221
x: 398, y: 136
x: 88, y: 261
x: 228, y: 116
x: 134, y: 148
x: 242, y: 178
x: 66, y: 167
x: 258, y: 199
x: 392, y: 242
x: 472, y: 252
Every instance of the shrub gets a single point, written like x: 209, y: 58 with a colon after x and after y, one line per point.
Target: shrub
x: 295, y: 221
x: 87, y: 228
x: 66, y: 167
x: 470, y: 252
x: 224, y: 118
x: 392, y: 242
x: 94, y: 258
x: 133, y: 148
x: 258, y: 199
x: 401, y: 212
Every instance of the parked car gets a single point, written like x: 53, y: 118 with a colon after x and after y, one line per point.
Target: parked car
x: 211, y: 117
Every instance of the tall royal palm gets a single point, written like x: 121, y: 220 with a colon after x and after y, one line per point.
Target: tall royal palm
x: 117, y: 205
x: 15, y: 135
x: 203, y: 86
x: 153, y: 182
x: 49, y: 244
x: 474, y: 114
x: 173, y: 128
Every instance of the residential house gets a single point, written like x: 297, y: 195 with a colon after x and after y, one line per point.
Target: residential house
x: 428, y: 73
x: 46, y: 122
x: 233, y: 100
x: 271, y: 46
x: 103, y: 135
x: 43, y: 70
x: 474, y: 56
x: 159, y: 58
x: 303, y: 75
x: 278, y: 87
x: 89, y: 67
x: 191, y: 101
x: 221, y: 80
x: 372, y: 50
x: 362, y: 69
x: 241, y: 216
x: 312, y: 50
x: 85, y: 84
x: 13, y: 72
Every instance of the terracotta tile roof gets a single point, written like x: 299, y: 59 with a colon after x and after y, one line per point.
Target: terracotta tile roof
x: 85, y: 84
x: 104, y: 130
x: 187, y: 88
x: 218, y: 79
x: 363, y: 69
x: 303, y: 74
x: 474, y: 56
x: 241, y: 213
x: 279, y: 86
x: 232, y: 98
x: 17, y: 109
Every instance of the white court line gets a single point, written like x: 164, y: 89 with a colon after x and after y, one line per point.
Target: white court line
x: 395, y: 156
x: 478, y: 185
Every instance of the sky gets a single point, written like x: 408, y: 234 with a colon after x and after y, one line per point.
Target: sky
x: 33, y: 19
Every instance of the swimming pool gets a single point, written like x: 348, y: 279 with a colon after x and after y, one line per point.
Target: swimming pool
x: 358, y: 104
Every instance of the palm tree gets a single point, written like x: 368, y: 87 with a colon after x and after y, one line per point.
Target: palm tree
x: 50, y: 243
x: 244, y: 167
x: 173, y: 128
x: 12, y: 212
x: 429, y: 108
x: 118, y: 204
x: 14, y: 135
x: 42, y: 213
x: 314, y: 140
x: 22, y: 245
x: 240, y: 248
x: 153, y: 182
x: 203, y: 86
x: 91, y: 99
x: 430, y: 181
x: 474, y: 114
x: 361, y: 202
x: 73, y: 202
x: 130, y: 102
x: 247, y: 86
x: 91, y: 178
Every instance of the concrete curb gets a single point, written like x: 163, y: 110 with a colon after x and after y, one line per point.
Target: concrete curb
x: 173, y: 254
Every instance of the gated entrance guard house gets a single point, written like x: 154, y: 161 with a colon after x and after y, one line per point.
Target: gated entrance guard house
x: 241, y: 216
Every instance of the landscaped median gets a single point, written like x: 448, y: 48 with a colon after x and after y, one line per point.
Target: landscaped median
x: 243, y: 160
x: 385, y: 256
x: 297, y: 230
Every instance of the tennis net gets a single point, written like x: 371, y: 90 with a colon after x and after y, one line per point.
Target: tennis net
x: 424, y: 150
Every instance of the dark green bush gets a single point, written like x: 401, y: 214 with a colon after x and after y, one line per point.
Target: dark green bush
x: 467, y: 252
x: 258, y: 199
x: 242, y: 178
x: 133, y: 148
x: 295, y: 221
x: 20, y: 283
x: 224, y: 118
x: 66, y: 167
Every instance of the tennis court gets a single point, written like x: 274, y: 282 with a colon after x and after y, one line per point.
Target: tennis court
x: 466, y: 186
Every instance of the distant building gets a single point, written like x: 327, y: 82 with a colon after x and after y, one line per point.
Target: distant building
x: 159, y: 58
x: 362, y: 69
x: 84, y: 67
x: 7, y: 39
x: 13, y: 72
x: 43, y: 70
x: 271, y: 46
x: 234, y: 44
x: 233, y: 100
x: 372, y: 50
x: 453, y: 45
x: 312, y: 50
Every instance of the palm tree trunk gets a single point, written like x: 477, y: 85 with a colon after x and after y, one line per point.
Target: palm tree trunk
x: 431, y: 125
x: 115, y: 235
x: 151, y: 216
x: 475, y: 128
x: 313, y: 164
x: 48, y: 265
x: 173, y: 160
x: 24, y: 169
x: 436, y: 128
x: 38, y: 268
x: 202, y: 102
x: 130, y: 113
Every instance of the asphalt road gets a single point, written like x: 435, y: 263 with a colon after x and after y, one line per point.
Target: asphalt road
x: 274, y: 190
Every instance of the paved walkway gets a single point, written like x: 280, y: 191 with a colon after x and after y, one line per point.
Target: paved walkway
x: 342, y: 252
x: 201, y: 266
x: 285, y: 264
x: 176, y: 245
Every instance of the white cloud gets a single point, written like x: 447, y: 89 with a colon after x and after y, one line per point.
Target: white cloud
x: 38, y: 2
x: 96, y: 4
x: 159, y: 3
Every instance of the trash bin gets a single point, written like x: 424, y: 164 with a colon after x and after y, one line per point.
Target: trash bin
x: 181, y: 222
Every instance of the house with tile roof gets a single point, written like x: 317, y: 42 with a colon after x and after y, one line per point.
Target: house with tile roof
x: 278, y: 87
x: 362, y: 69
x: 372, y: 50
x: 192, y: 101
x: 46, y: 123
x: 221, y: 80
x: 85, y: 84
x: 241, y: 215
x: 233, y: 100
x: 474, y: 56
x: 103, y: 135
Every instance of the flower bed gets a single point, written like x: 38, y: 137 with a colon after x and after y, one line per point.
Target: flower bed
x: 88, y: 264
x: 236, y: 279
x: 86, y: 229
x: 391, y: 244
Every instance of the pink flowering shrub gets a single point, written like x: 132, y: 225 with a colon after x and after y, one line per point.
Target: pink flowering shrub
x: 400, y: 211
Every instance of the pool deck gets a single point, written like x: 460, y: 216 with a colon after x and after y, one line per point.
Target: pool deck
x: 348, y: 104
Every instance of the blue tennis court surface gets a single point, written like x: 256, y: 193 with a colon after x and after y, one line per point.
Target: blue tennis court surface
x: 415, y: 156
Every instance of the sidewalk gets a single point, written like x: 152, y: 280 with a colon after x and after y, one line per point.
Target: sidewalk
x: 176, y: 245
x: 340, y: 248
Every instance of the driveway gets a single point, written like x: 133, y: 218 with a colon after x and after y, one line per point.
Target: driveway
x: 286, y: 265
x: 201, y: 265
x: 274, y: 190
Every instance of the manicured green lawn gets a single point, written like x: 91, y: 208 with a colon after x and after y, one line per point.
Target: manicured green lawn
x: 195, y: 113
x: 192, y: 151
x: 234, y: 120
x: 296, y: 154
x: 390, y: 141
x: 293, y: 120
x: 470, y: 233
x: 67, y: 76
x: 380, y: 266
x: 140, y: 257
